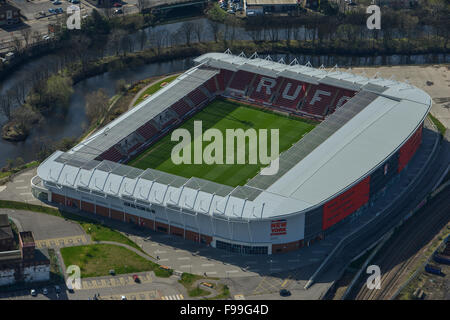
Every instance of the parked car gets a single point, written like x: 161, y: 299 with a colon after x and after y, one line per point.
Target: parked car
x: 74, y: 1
x: 46, y: 37
x: 285, y: 293
x: 123, y: 298
x: 118, y: 11
x: 57, y: 2
x: 57, y: 289
x: 112, y: 272
x: 51, y: 10
x: 117, y: 5
x: 33, y: 293
x: 45, y: 291
x: 136, y: 278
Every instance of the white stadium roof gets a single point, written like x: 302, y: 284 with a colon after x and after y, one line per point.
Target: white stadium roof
x: 367, y: 131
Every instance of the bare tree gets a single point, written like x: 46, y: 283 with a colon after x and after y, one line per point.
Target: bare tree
x: 159, y: 39
x: 215, y: 29
x: 26, y: 34
x: 187, y: 29
x: 143, y: 39
x: 198, y: 30
x: 17, y: 43
x: 5, y: 106
x: 96, y: 104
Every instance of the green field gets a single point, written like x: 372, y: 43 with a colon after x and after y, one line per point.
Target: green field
x: 224, y: 115
x: 96, y: 260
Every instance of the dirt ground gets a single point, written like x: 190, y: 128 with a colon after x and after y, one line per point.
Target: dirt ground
x: 418, y: 76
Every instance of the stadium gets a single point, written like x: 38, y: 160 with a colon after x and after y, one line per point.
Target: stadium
x: 344, y: 138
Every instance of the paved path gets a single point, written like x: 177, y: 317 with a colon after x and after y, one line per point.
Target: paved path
x: 131, y: 105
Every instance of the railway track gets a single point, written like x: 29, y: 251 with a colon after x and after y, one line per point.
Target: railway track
x: 407, y: 248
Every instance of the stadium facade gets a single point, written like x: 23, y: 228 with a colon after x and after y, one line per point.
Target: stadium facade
x: 370, y: 129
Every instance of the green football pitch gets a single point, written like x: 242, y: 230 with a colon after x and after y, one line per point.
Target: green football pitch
x: 223, y: 115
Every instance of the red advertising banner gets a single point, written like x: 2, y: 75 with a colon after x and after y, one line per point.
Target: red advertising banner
x: 278, y: 227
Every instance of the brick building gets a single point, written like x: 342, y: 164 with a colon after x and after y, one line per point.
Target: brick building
x: 23, y: 262
x: 9, y: 14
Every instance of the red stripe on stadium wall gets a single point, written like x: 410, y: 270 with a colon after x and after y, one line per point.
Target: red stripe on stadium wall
x: 351, y: 200
x: 410, y: 147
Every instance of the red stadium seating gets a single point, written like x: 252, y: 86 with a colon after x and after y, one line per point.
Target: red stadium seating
x: 112, y: 154
x: 319, y: 99
x: 263, y: 88
x: 133, y: 148
x: 223, y: 78
x: 197, y: 97
x: 241, y: 80
x: 147, y: 131
x: 168, y: 123
x: 181, y: 108
x: 342, y: 97
x: 290, y: 93
x: 211, y: 85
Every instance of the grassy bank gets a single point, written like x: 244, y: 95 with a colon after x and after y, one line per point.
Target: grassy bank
x: 7, y: 173
x: 154, y: 88
x: 188, y: 280
x: 96, y: 260
x: 438, y: 124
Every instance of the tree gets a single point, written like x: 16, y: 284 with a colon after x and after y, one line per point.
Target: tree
x: 5, y: 106
x: 96, y: 105
x: 142, y: 39
x: 215, y: 29
x: 187, y: 29
x: 121, y: 86
x: 198, y: 30
x: 26, y: 34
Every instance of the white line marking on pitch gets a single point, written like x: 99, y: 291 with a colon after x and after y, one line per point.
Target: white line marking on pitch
x: 22, y: 187
x: 19, y: 181
x: 26, y: 194
x: 212, y: 272
x: 186, y: 266
x: 183, y: 258
x: 207, y: 264
x: 165, y: 259
x: 232, y: 271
